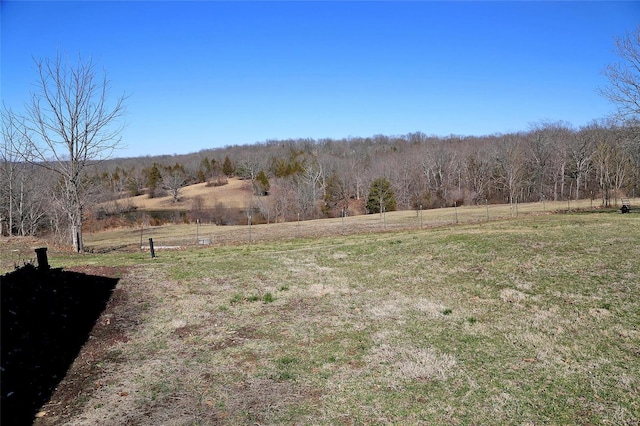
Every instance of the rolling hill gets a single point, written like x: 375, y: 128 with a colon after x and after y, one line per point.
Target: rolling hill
x: 236, y: 193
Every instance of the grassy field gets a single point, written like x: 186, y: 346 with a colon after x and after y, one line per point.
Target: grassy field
x: 534, y: 320
x: 186, y: 235
x: 235, y: 194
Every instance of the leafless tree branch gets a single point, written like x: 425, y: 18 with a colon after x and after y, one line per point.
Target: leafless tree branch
x: 70, y: 123
x: 624, y: 77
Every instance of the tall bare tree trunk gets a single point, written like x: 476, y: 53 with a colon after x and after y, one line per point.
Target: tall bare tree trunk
x: 68, y: 126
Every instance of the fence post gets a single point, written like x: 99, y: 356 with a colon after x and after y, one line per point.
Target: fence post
x: 455, y: 208
x: 153, y: 252
x: 43, y: 263
x: 384, y: 217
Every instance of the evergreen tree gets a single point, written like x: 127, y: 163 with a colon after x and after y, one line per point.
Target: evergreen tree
x: 205, y: 165
x: 201, y: 176
x: 154, y: 177
x: 285, y: 167
x: 227, y: 167
x: 261, y: 183
x: 381, y: 197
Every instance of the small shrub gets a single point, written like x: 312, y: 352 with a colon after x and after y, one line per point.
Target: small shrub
x: 267, y: 298
x: 155, y: 221
x: 287, y: 360
x: 237, y: 298
x: 472, y: 320
x: 447, y: 311
x: 253, y: 298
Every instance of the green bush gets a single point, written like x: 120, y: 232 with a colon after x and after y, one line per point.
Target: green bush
x: 381, y: 197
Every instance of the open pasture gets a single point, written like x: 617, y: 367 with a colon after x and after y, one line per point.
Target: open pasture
x: 527, y: 321
x: 184, y: 235
x: 235, y: 194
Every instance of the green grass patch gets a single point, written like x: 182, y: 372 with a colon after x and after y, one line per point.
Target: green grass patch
x: 526, y: 321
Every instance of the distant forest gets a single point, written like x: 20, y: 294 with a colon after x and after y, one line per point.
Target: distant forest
x: 307, y: 178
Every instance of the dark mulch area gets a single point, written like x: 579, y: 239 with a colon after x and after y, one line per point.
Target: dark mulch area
x: 46, y: 318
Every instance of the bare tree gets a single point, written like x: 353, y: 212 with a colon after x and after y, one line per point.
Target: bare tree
x: 478, y: 175
x: 249, y: 167
x: 285, y: 200
x: 32, y: 205
x: 631, y: 138
x: 510, y: 165
x: 624, y: 77
x: 542, y: 144
x: 403, y: 169
x: 581, y: 149
x: 311, y: 182
x: 173, y: 179
x: 10, y: 170
x: 440, y: 167
x: 614, y: 164
x: 69, y: 125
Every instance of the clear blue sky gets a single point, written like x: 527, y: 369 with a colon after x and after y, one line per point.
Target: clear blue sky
x: 206, y: 74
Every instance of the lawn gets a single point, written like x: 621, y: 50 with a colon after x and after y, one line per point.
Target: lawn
x: 533, y: 320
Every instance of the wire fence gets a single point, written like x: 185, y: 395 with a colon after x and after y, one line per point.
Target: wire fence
x: 173, y: 237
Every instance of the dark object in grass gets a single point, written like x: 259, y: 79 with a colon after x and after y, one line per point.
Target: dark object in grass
x: 153, y: 252
x: 46, y: 316
x: 43, y: 262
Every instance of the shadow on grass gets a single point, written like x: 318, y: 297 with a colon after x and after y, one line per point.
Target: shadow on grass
x: 46, y: 318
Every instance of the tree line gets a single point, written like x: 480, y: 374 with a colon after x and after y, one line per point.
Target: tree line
x: 308, y: 178
x: 56, y: 166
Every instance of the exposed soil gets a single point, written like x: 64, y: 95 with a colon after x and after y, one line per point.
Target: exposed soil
x: 54, y: 328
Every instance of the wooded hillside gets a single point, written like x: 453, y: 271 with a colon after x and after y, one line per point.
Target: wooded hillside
x: 283, y: 180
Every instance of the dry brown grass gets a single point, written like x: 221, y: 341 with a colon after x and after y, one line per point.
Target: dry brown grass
x: 526, y: 321
x: 184, y: 235
x: 235, y: 194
